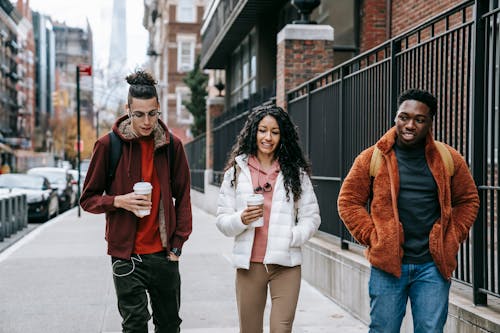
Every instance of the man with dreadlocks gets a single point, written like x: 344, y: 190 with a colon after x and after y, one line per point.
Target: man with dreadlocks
x: 144, y: 250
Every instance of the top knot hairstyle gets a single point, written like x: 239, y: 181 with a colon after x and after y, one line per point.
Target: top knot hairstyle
x: 142, y: 85
x: 289, y: 153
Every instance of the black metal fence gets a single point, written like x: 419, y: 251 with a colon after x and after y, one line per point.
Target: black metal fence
x: 196, y: 155
x: 227, y: 127
x: 347, y: 109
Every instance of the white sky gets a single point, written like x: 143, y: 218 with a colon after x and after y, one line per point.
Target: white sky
x: 98, y: 13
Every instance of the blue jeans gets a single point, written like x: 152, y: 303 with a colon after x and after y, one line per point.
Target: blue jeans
x: 423, y: 284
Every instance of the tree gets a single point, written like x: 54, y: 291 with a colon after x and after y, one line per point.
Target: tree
x: 197, y: 81
x: 64, y: 131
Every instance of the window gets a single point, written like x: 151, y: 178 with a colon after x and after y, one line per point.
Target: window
x: 183, y: 116
x: 185, y: 53
x: 244, y: 70
x: 186, y: 11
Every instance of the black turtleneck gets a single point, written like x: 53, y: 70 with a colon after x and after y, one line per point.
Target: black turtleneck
x: 418, y: 203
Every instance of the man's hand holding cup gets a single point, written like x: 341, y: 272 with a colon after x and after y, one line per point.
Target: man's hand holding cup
x: 137, y: 202
x: 143, y: 188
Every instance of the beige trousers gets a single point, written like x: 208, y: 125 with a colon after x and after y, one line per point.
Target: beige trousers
x: 251, y: 296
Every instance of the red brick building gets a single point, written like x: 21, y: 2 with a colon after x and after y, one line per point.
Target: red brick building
x: 174, y: 42
x: 381, y: 20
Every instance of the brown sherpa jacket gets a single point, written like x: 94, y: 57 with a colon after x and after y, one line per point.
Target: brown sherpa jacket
x: 381, y: 231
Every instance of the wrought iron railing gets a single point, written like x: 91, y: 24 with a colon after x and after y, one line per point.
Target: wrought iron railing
x: 196, y: 155
x: 455, y: 55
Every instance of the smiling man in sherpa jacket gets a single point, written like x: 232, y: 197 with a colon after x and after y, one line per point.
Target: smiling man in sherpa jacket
x: 423, y: 203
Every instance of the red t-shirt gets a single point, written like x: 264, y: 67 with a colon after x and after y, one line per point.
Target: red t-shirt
x: 147, y: 238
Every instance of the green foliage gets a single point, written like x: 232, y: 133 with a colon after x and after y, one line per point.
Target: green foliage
x: 197, y: 81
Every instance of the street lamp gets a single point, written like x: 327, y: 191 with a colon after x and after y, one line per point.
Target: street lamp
x: 219, y: 85
x: 305, y: 7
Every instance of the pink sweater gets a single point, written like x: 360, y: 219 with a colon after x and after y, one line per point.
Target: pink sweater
x: 260, y: 177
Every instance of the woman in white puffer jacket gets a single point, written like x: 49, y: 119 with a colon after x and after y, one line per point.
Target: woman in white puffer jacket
x: 267, y: 159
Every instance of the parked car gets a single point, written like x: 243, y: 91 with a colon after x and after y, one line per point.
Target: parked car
x: 42, y: 199
x: 74, y: 174
x: 61, y: 180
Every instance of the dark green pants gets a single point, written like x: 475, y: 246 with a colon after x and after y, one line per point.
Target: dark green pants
x: 153, y: 274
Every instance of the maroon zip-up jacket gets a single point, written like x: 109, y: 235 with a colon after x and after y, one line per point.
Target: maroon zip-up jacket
x: 175, y: 219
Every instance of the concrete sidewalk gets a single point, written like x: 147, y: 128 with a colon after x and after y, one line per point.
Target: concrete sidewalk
x: 57, y: 279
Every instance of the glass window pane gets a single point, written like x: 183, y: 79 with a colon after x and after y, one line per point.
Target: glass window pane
x: 186, y: 11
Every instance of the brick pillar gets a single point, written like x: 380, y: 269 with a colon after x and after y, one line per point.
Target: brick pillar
x: 215, y: 106
x: 374, y: 29
x: 304, y: 51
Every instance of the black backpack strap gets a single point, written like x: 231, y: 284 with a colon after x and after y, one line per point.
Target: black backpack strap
x: 115, y: 152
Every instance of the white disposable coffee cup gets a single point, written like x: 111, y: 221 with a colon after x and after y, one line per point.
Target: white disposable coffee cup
x: 143, y: 188
x: 256, y: 200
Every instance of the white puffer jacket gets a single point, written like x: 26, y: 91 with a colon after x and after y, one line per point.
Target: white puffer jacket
x: 285, y: 236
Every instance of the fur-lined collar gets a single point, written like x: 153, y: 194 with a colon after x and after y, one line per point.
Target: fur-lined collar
x: 388, y: 140
x: 123, y: 127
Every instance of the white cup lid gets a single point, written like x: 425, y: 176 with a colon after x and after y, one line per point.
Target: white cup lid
x: 255, y: 199
x: 142, y: 186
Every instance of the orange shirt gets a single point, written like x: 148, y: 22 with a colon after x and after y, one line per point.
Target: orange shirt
x: 260, y: 177
x: 147, y: 238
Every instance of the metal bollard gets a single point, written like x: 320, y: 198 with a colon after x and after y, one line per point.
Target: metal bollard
x: 24, y: 211
x: 15, y: 213
x: 2, y: 218
x: 8, y: 216
x: 12, y: 215
x: 19, y: 208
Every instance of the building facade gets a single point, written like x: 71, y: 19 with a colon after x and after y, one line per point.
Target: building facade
x: 174, y: 44
x: 9, y: 76
x: 45, y: 74
x: 239, y: 37
x: 73, y: 46
x: 26, y: 70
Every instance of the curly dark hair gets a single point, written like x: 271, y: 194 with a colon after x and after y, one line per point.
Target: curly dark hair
x: 422, y: 96
x: 142, y: 85
x: 289, y: 153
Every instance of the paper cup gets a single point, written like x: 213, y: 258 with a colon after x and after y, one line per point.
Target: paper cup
x: 256, y: 200
x: 143, y: 188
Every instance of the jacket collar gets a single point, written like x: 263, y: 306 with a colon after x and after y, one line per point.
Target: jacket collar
x: 123, y: 128
x: 388, y: 140
x: 242, y: 160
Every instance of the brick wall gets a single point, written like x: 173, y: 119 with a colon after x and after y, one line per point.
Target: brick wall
x: 373, y: 25
x: 299, y: 61
x: 410, y: 13
x: 405, y: 14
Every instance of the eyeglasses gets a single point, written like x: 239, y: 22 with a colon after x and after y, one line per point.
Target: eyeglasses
x: 150, y: 114
x: 265, y: 188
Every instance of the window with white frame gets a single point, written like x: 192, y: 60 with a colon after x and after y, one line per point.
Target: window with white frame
x: 186, y: 11
x: 185, y: 53
x: 183, y: 115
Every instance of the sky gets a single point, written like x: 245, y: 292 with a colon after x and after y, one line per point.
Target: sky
x: 75, y: 13
x: 99, y: 12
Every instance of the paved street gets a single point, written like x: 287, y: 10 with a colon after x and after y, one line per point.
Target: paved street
x: 57, y: 279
